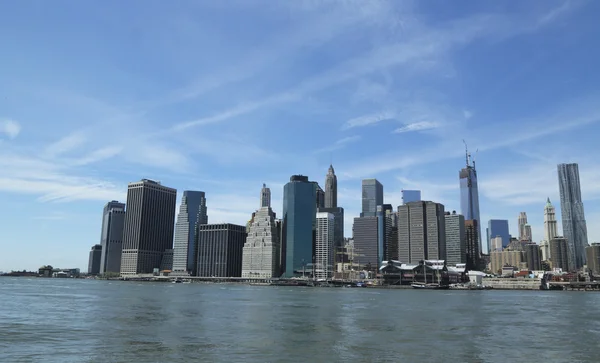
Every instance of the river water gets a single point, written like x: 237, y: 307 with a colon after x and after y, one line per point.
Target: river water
x: 66, y: 320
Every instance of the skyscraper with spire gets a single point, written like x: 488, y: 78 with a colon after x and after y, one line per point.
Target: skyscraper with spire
x: 331, y: 206
x: 469, y: 200
x: 550, y: 229
x: 573, y: 218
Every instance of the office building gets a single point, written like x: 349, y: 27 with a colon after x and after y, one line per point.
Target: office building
x: 500, y: 259
x: 498, y: 228
x: 298, y: 224
x: 324, y: 246
x: 320, y: 197
x: 372, y: 196
x: 559, y: 252
x: 261, y: 253
x: 573, y: 217
x: 384, y: 229
x: 94, y: 260
x: 421, y: 232
x: 469, y: 201
x: 472, y: 245
x: 496, y: 244
x: 522, y: 222
x: 111, y: 237
x: 411, y: 196
x: 331, y: 188
x: 149, y: 225
x: 220, y: 249
x: 550, y: 223
x: 366, y: 242
x: 456, y: 249
x: 593, y: 258
x: 192, y: 211
x: 166, y: 264
x: 391, y: 241
x: 533, y: 254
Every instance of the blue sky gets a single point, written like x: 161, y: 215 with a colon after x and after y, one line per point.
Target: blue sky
x: 223, y: 96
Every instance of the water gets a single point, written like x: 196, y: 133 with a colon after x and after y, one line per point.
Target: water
x: 64, y: 320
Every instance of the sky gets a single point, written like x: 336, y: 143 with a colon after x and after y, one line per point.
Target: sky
x: 222, y: 96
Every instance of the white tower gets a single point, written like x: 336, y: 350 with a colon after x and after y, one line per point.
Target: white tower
x: 323, y: 268
x: 550, y: 229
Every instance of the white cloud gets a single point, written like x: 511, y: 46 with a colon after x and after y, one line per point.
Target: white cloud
x: 367, y: 120
x: 339, y: 144
x: 66, y: 144
x: 98, y: 155
x: 10, y: 128
x: 417, y: 126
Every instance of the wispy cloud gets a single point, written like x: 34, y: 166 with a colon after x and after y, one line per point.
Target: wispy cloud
x: 10, y: 128
x: 367, y: 120
x: 417, y: 126
x: 98, y: 155
x: 66, y: 144
x: 339, y: 144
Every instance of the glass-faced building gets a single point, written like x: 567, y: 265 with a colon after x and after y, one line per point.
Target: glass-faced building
x: 469, y: 197
x: 298, y: 230
x: 411, y: 196
x: 372, y: 196
x: 573, y: 218
x: 497, y: 227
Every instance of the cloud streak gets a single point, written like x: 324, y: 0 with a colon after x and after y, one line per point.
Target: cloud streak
x: 368, y: 120
x: 417, y: 126
x: 339, y: 144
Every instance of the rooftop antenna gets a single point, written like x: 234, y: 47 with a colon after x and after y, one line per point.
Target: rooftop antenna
x: 466, y: 152
x: 476, y: 151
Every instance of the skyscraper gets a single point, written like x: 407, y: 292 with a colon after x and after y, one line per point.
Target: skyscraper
x: 472, y: 243
x: 94, y: 260
x: 456, y: 249
x: 559, y: 252
x: 324, y: 246
x: 149, y: 224
x: 533, y: 256
x: 498, y: 228
x: 366, y: 242
x: 411, y: 196
x: 469, y: 196
x: 192, y: 211
x: 111, y: 238
x: 421, y: 232
x: 573, y: 218
x: 261, y: 253
x: 220, y: 249
x: 521, y: 222
x: 331, y: 207
x: 331, y: 188
x: 550, y: 224
x: 391, y: 240
x: 384, y: 229
x: 320, y: 197
x: 372, y: 196
x: 298, y: 225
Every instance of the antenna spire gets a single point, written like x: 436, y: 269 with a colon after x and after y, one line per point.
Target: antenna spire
x: 466, y: 152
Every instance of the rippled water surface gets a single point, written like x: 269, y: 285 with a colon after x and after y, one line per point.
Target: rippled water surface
x: 64, y: 320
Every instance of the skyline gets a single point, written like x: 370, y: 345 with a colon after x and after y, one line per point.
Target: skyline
x: 383, y: 90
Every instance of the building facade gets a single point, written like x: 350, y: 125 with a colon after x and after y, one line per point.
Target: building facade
x: 220, y: 250
x: 498, y: 228
x: 366, y: 242
x: 496, y: 244
x: 593, y: 258
x: 383, y: 230
x: 469, y: 197
x: 573, y: 217
x: 111, y: 238
x: 522, y: 222
x: 261, y: 253
x: 500, y: 259
x: 331, y: 188
x: 391, y: 241
x: 472, y: 245
x: 149, y: 226
x: 559, y: 252
x: 372, y: 196
x: 533, y: 254
x: 94, y: 260
x: 421, y: 232
x: 550, y: 223
x: 324, y: 246
x: 411, y: 196
x: 192, y: 211
x: 456, y: 249
x: 298, y: 224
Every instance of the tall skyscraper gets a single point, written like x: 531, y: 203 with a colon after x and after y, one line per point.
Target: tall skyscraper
x: 331, y: 188
x: 192, y: 211
x: 366, y: 242
x: 324, y: 246
x: 522, y: 222
x: 550, y: 224
x: 261, y: 253
x: 372, y: 196
x: 391, y: 241
x: 331, y: 207
x: 421, y: 232
x: 472, y: 243
x: 220, y: 249
x: 498, y: 228
x: 411, y: 196
x: 94, y: 260
x: 384, y: 229
x: 111, y: 238
x: 533, y: 255
x: 320, y: 198
x: 298, y: 225
x: 469, y: 196
x: 149, y: 225
x: 456, y: 249
x: 573, y: 218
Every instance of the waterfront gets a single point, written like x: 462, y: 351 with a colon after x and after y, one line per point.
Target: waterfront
x: 77, y: 320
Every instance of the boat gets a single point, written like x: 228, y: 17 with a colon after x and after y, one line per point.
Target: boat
x: 422, y: 285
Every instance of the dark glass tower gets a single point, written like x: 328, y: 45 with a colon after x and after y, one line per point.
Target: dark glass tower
x: 573, y: 218
x: 372, y: 196
x: 469, y: 198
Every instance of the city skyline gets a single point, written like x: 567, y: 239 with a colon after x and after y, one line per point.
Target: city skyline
x: 76, y: 130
